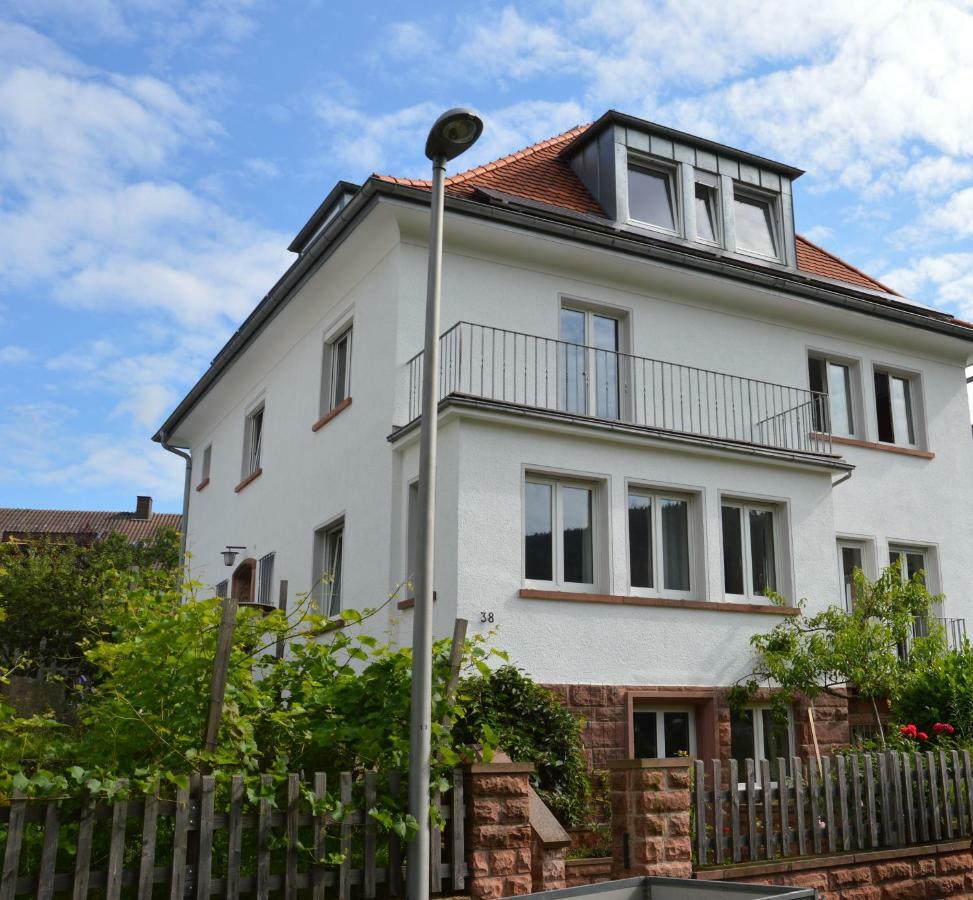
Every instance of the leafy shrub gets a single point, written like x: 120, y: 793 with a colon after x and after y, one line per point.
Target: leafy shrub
x: 530, y: 723
x: 940, y: 691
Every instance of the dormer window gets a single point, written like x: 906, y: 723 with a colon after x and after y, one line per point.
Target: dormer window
x: 756, y: 225
x: 651, y: 197
x: 707, y: 224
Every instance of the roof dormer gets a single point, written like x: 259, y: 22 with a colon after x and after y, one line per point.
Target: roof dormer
x: 670, y: 185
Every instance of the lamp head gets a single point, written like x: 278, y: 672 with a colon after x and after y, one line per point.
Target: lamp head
x: 454, y: 132
x: 230, y: 554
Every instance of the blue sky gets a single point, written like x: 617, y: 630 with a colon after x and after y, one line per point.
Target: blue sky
x: 156, y: 157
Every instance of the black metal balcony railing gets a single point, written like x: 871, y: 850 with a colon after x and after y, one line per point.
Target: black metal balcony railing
x: 548, y: 374
x: 953, y: 633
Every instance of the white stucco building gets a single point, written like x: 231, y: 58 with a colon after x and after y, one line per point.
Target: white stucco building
x: 658, y: 401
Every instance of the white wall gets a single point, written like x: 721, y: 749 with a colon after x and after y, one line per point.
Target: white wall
x: 499, y: 277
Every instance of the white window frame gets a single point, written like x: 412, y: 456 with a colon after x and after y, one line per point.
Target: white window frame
x: 914, y: 380
x: 557, y: 484
x: 329, y: 381
x: 622, y: 318
x: 252, y: 455
x: 866, y: 549
x: 748, y: 192
x: 658, y: 566
x: 324, y: 562
x: 660, y: 730
x: 758, y: 741
x: 207, y: 463
x: 711, y: 183
x: 665, y: 170
x: 745, y: 505
x: 854, y: 385
x: 411, y: 534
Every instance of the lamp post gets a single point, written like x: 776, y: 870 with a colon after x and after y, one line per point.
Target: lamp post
x: 453, y: 132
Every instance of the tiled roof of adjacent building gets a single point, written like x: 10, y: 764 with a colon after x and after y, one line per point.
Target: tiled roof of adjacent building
x: 541, y: 174
x: 76, y: 524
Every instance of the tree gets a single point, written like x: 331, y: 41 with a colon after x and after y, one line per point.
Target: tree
x: 837, y: 648
x: 53, y: 594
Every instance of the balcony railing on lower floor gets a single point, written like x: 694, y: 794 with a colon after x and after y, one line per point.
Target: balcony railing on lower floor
x: 591, y: 382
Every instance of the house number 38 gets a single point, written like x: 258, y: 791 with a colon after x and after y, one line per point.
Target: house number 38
x: 485, y: 617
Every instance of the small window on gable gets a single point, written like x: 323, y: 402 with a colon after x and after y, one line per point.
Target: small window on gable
x: 707, y: 223
x: 895, y: 408
x: 207, y: 460
x: 336, y: 387
x: 651, y: 197
x: 755, y: 223
x: 253, y: 440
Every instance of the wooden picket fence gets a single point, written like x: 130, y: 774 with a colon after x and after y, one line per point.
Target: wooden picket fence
x: 148, y: 847
x: 851, y: 802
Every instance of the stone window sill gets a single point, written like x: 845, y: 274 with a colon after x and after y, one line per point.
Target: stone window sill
x: 410, y: 602
x: 328, y: 416
x: 875, y: 445
x: 202, y: 484
x: 665, y: 602
x: 253, y: 476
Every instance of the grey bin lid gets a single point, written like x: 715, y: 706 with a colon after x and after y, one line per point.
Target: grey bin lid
x: 650, y: 887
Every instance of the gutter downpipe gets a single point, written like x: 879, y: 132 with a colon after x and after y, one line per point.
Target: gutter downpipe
x: 163, y: 439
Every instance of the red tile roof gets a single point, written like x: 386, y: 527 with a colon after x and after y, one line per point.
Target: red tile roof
x: 539, y: 173
x: 82, y: 524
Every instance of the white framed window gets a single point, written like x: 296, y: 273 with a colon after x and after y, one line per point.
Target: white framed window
x: 756, y: 223
x: 663, y: 732
x: 328, y: 553
x: 851, y: 557
x: 412, y: 536
x: 253, y: 440
x: 660, y: 542
x: 560, y: 533
x: 895, y: 407
x: 708, y: 219
x: 207, y: 461
x: 652, y: 197
x: 588, y: 361
x: 265, y: 579
x: 336, y: 380
x: 757, y: 734
x: 914, y: 560
x: 751, y: 557
x: 839, y: 411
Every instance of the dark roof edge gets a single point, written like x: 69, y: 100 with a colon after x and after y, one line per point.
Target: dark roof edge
x: 302, y: 237
x: 574, y: 226
x: 613, y: 116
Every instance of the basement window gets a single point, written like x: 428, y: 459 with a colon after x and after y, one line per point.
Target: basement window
x: 663, y: 733
x: 651, y: 194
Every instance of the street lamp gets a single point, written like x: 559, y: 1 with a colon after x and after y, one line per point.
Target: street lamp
x: 230, y: 554
x: 455, y: 131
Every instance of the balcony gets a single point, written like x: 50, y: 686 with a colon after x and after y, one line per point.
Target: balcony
x: 953, y: 633
x: 581, y: 382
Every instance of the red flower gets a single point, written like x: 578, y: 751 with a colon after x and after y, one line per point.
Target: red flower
x: 938, y: 728
x: 922, y: 736
x: 909, y: 731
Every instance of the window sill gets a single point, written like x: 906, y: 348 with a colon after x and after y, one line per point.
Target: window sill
x: 410, y: 602
x: 253, y: 476
x: 875, y: 445
x: 664, y: 602
x: 202, y: 484
x: 328, y: 416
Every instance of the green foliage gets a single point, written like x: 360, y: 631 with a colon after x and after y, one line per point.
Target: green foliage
x: 836, y: 647
x: 530, y: 723
x: 941, y: 690
x: 53, y: 594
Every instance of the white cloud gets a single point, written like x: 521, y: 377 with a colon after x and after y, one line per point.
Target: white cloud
x: 818, y: 234
x: 262, y: 168
x: 949, y: 276
x: 12, y: 355
x: 954, y: 218
x: 933, y: 176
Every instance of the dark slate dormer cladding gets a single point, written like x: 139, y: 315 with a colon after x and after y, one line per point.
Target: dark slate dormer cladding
x: 602, y: 156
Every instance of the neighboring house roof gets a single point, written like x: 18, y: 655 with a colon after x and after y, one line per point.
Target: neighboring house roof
x: 541, y: 174
x: 77, y: 524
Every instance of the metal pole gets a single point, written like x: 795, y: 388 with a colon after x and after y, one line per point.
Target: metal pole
x: 420, y: 720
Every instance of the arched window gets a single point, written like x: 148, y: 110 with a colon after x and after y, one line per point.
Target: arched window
x: 244, y: 577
